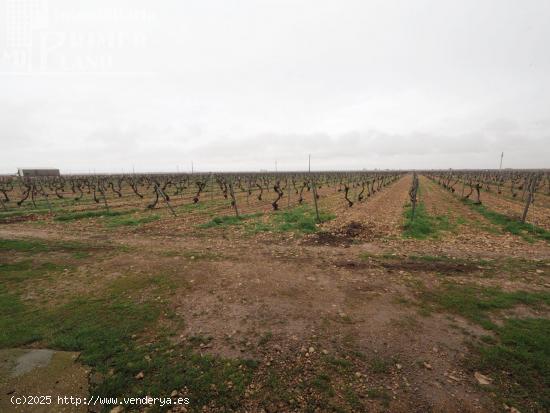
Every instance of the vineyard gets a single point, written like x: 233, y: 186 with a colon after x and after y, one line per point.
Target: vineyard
x: 252, y: 193
x: 248, y: 192
x: 281, y: 292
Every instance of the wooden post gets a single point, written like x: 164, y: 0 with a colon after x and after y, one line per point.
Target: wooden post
x: 104, y: 197
x: 289, y: 191
x: 211, y: 187
x: 161, y: 193
x: 48, y: 201
x: 530, y: 192
x: 412, y: 194
x: 315, y: 201
x: 314, y: 190
x: 233, y: 199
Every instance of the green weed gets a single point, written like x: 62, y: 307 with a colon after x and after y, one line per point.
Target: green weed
x: 423, y: 225
x: 475, y: 303
x: 19, y: 213
x: 265, y: 338
x: 130, y: 221
x: 73, y: 216
x: 521, y: 352
x: 339, y: 363
x: 26, y: 269
x: 299, y: 219
x: 514, y: 226
x: 24, y: 245
x: 322, y: 383
x: 104, y: 331
x: 380, y: 365
x: 228, y: 220
x: 379, y: 394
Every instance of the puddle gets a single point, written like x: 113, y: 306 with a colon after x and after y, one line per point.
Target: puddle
x: 41, y: 372
x: 31, y: 360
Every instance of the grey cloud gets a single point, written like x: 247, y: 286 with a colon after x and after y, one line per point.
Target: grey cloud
x: 238, y: 85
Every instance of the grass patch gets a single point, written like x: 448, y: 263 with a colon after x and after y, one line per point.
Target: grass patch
x: 351, y: 397
x: 529, y: 232
x: 423, y: 225
x: 475, y: 303
x: 96, y: 327
x: 18, y: 325
x: 276, y: 388
x: 25, y: 269
x: 74, y: 216
x: 407, y: 322
x: 35, y: 245
x: 256, y: 227
x: 129, y: 221
x: 379, y: 394
x: 157, y: 284
x: 322, y: 383
x: 299, y: 219
x: 118, y: 331
x: 199, y: 339
x: 265, y: 338
x: 517, y: 355
x: 340, y: 364
x: 106, y: 331
x: 380, y: 366
x: 228, y: 220
x: 20, y: 213
x: 79, y: 255
x: 520, y: 361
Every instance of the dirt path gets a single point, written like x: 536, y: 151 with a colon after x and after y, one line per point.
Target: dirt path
x: 381, y: 214
x: 304, y: 297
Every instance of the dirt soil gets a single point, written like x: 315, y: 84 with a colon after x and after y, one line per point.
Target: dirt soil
x: 291, y: 301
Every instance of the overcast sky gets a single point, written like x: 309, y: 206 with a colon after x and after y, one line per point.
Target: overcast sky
x: 239, y: 85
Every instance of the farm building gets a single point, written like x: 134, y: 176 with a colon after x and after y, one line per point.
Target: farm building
x: 37, y: 172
